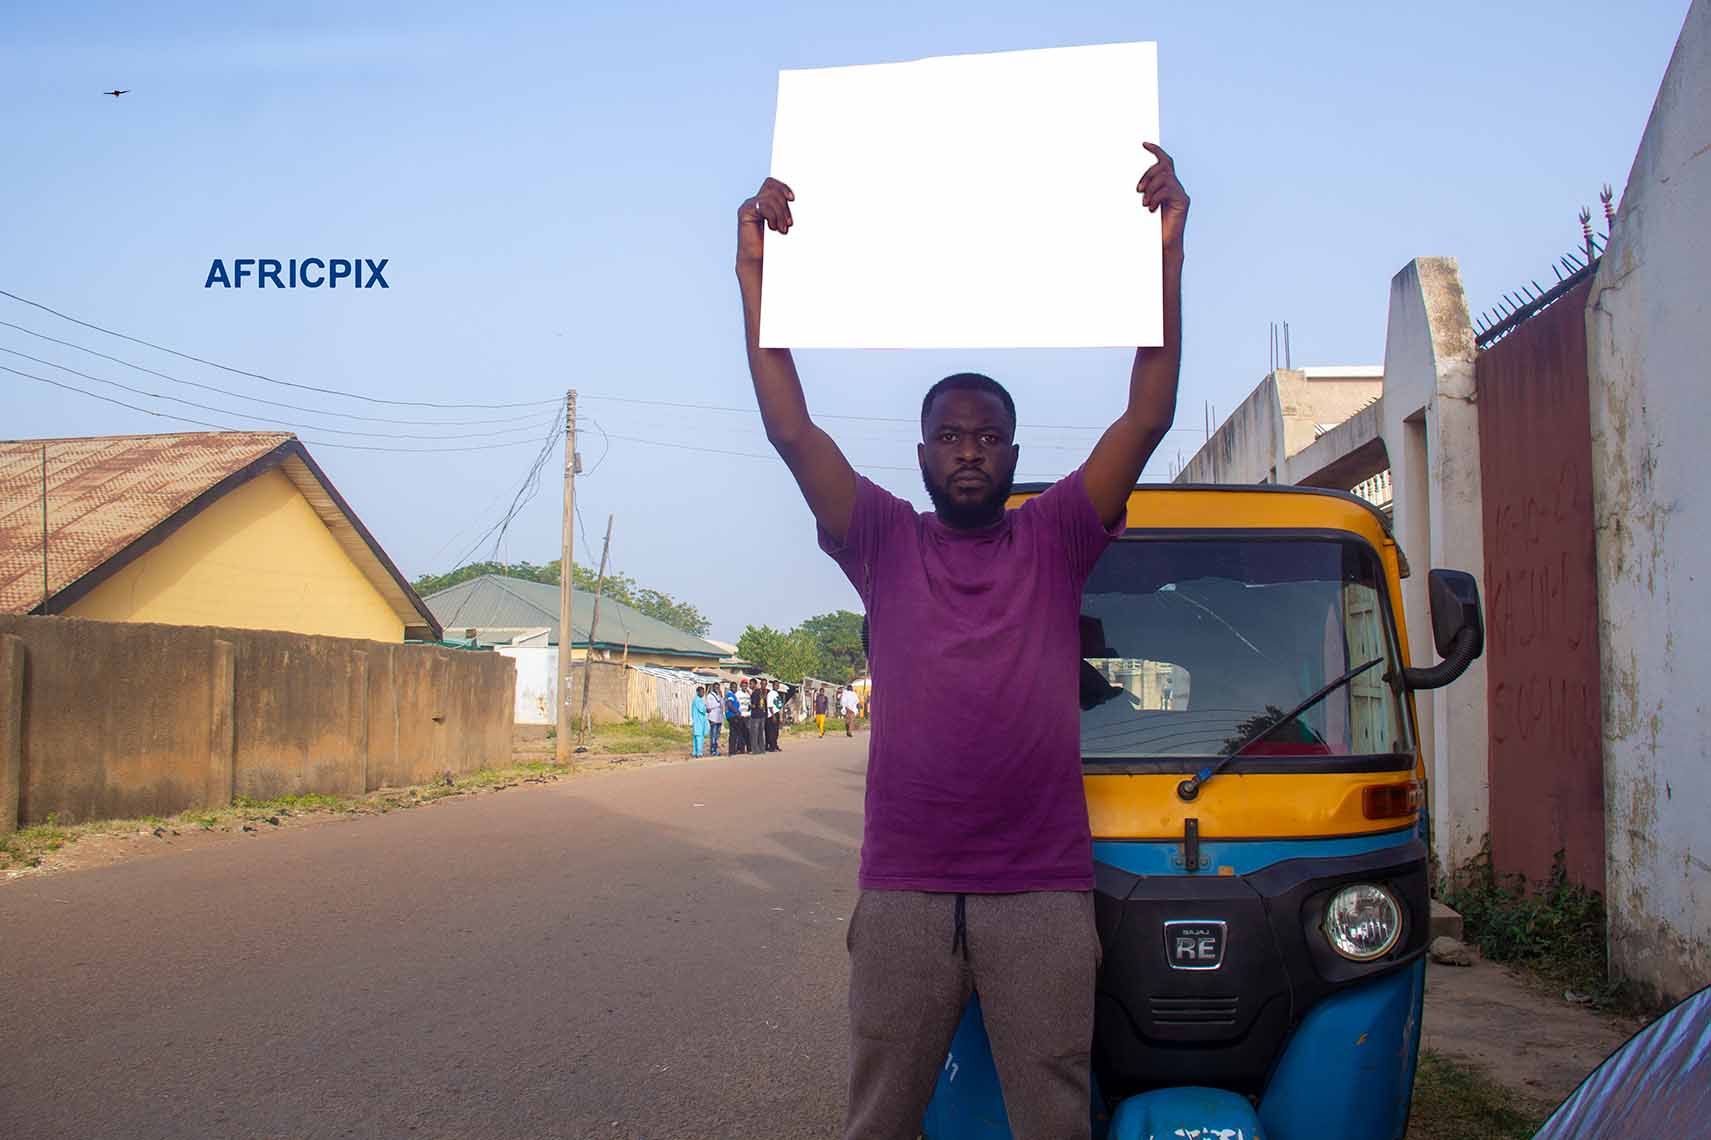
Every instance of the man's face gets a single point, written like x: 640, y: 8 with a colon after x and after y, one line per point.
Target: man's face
x: 968, y: 461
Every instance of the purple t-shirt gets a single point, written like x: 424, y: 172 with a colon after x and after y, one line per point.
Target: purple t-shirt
x: 974, y: 765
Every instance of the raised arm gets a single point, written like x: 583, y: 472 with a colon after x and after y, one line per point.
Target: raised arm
x: 1126, y: 446
x: 826, y: 478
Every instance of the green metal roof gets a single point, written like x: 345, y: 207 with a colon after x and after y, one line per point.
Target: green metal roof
x: 495, y: 602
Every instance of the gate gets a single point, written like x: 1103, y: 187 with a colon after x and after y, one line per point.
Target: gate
x: 1546, y: 723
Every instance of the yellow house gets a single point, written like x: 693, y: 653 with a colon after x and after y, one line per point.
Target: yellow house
x: 235, y: 529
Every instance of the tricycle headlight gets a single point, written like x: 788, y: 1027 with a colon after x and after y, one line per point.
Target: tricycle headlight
x: 1363, y: 922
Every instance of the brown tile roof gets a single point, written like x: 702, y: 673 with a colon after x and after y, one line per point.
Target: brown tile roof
x: 107, y: 495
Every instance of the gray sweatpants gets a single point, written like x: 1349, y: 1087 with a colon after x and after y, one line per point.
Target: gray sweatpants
x: 1033, y: 957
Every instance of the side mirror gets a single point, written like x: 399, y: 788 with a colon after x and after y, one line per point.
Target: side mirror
x: 1458, y: 629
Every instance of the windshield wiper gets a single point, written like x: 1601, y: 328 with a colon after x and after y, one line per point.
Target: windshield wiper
x: 1190, y: 788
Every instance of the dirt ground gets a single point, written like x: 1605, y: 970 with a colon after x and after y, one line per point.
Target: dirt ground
x: 1531, y: 1042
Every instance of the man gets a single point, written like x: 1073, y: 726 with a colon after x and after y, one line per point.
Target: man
x: 976, y: 865
x: 848, y: 704
x: 774, y: 715
x: 698, y: 721
x: 715, y: 718
x: 737, y: 715
x: 757, y: 718
x: 822, y: 706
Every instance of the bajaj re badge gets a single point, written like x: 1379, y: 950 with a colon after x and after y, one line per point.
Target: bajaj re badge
x: 1194, y: 944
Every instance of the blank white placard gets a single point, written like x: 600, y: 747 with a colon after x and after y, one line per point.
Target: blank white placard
x: 975, y: 201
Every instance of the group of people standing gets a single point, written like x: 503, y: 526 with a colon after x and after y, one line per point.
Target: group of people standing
x: 754, y: 710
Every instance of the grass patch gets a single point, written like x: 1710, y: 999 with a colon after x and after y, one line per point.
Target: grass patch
x: 634, y: 737
x: 28, y: 846
x: 313, y: 801
x: 1554, y: 931
x: 834, y: 724
x: 1453, y: 1102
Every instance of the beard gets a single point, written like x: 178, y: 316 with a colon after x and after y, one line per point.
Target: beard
x: 985, y: 511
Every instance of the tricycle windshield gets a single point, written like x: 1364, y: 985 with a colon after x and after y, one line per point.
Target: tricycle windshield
x: 1205, y: 646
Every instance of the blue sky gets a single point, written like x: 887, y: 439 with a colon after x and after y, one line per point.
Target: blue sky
x: 555, y: 192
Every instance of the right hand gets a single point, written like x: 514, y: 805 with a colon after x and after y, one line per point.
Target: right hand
x: 770, y: 206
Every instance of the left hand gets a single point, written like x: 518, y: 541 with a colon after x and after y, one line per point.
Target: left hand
x: 1160, y: 191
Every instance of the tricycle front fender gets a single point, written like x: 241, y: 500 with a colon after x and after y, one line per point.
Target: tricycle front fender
x: 1200, y: 1113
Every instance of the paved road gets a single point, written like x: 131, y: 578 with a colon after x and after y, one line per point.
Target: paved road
x: 649, y: 953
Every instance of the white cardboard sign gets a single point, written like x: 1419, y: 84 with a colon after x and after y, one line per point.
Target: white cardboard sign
x: 974, y: 201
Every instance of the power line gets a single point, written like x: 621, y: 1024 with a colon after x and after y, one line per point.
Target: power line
x: 524, y: 494
x: 421, y: 450
x: 1081, y: 447
x: 464, y: 530
x: 774, y: 457
x: 606, y: 449
x: 531, y: 485
x: 531, y: 428
x: 824, y: 415
x: 257, y: 399
x: 223, y: 427
x: 262, y: 375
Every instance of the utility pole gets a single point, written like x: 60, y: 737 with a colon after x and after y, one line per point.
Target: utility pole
x: 44, y: 528
x: 593, y: 625
x: 566, y: 579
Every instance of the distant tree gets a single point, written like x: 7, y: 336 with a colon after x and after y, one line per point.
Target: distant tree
x: 838, y: 636
x: 433, y: 583
x: 619, y: 587
x: 664, y: 607
x: 791, y: 656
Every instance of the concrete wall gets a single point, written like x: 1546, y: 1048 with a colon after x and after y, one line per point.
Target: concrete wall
x: 121, y: 719
x: 1346, y: 456
x: 1431, y: 433
x: 608, y: 689
x: 1247, y: 446
x: 259, y: 557
x: 1425, y: 428
x: 1278, y: 420
x: 1308, y: 400
x: 618, y: 692
x: 1649, y: 337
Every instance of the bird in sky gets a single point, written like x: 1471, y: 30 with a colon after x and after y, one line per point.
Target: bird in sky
x: 116, y: 94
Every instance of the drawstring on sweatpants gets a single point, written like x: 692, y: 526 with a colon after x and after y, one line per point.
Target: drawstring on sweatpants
x: 959, y: 936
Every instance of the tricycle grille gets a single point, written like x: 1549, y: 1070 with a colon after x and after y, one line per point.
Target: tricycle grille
x: 1193, y: 1010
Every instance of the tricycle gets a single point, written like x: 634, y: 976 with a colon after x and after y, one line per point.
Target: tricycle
x: 1256, y: 791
